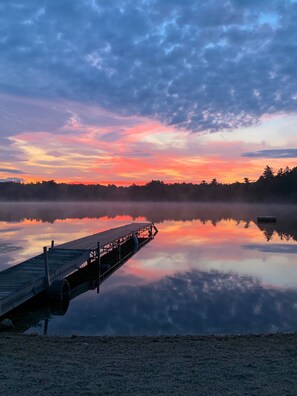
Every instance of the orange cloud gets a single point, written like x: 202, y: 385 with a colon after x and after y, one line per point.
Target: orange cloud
x: 134, y: 150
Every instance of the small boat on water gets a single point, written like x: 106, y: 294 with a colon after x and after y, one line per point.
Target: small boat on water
x: 266, y: 219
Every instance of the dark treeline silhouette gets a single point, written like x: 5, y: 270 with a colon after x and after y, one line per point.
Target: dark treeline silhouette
x: 270, y: 187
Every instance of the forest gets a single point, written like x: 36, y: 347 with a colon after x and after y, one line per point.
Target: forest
x: 280, y: 186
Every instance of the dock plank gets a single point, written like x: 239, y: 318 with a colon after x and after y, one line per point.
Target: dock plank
x: 104, y: 238
x: 23, y: 281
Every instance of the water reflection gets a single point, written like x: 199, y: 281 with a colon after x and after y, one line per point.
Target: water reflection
x: 42, y: 307
x: 285, y: 227
x: 275, y: 248
x: 194, y: 302
x: 6, y: 247
x: 212, y: 268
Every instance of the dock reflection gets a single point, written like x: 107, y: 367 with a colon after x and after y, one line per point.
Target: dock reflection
x: 194, y: 302
x: 41, y: 309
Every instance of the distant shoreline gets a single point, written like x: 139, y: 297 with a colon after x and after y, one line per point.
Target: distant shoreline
x: 187, y: 365
x: 160, y: 202
x: 232, y: 201
x: 270, y: 187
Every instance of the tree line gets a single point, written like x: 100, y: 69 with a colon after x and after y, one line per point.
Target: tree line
x: 280, y: 186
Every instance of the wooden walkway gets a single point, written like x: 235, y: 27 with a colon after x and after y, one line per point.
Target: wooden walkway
x: 105, y: 238
x: 31, y: 277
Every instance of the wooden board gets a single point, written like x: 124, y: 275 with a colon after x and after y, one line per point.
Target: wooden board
x: 105, y: 237
x: 25, y: 280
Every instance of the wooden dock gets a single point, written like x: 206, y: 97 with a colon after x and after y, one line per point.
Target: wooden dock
x: 48, y: 271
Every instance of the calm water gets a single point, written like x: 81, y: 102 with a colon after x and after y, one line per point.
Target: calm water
x: 210, y: 269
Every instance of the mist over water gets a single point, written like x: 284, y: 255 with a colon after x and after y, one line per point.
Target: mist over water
x: 210, y: 269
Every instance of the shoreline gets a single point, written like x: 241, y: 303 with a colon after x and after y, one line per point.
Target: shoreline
x: 264, y: 364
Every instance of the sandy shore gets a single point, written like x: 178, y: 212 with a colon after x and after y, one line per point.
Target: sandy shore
x: 237, y: 365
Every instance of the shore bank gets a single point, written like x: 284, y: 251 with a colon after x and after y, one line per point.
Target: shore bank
x: 192, y: 365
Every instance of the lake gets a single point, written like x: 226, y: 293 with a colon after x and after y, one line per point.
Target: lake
x: 211, y: 269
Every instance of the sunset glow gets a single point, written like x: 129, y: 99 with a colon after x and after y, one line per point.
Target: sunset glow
x: 177, y: 97
x: 179, y: 245
x: 139, y: 153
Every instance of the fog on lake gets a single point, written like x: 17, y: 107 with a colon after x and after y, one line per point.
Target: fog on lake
x: 210, y: 270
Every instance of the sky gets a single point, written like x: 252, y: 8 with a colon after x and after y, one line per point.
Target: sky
x: 128, y: 91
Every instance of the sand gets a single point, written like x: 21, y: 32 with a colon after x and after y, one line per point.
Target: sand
x: 237, y: 365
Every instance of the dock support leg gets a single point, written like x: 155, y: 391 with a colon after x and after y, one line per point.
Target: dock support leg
x: 45, y: 326
x: 120, y: 251
x: 99, y: 266
x: 135, y: 243
x: 150, y: 234
x: 46, y: 268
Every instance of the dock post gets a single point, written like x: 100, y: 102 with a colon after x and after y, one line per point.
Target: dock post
x: 150, y: 234
x: 52, y: 244
x: 135, y: 242
x: 45, y: 328
x: 99, y: 265
x: 46, y: 268
x: 120, y: 250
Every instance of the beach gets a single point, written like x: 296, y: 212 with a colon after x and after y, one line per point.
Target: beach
x: 190, y: 365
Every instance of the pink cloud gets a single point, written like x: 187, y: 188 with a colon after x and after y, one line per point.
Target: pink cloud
x: 95, y: 146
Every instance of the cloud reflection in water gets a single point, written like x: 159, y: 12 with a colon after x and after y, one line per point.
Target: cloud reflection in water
x: 275, y: 248
x: 193, y: 302
x: 183, y: 283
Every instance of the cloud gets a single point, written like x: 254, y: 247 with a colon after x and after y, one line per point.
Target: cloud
x: 16, y: 171
x: 273, y: 153
x: 111, y: 137
x: 275, y: 248
x: 12, y: 179
x: 207, y: 65
x: 6, y: 247
x: 22, y: 114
